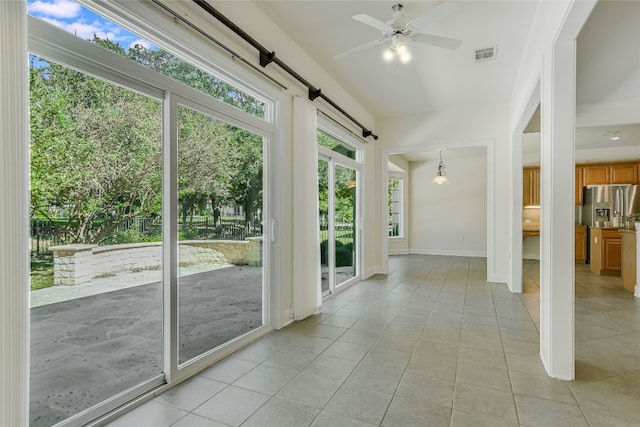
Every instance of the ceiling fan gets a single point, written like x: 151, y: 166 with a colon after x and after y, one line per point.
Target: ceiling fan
x: 398, y: 34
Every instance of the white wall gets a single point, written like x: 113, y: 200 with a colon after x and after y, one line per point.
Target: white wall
x: 450, y: 219
x: 457, y: 127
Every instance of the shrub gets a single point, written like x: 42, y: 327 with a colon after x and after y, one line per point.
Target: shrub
x: 324, y: 249
x: 343, y: 253
x: 188, y: 233
x: 343, y: 257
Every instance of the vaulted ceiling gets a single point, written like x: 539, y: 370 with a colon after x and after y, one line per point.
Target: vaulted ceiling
x: 436, y: 78
x: 608, y: 56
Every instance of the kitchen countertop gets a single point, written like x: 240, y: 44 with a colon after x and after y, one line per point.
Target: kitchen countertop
x: 614, y: 228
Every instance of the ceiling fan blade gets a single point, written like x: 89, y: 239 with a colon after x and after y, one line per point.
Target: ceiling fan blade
x: 372, y: 22
x: 360, y: 48
x: 434, y: 14
x: 439, y: 41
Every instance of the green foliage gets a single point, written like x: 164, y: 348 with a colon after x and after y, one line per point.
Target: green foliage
x: 345, y: 182
x: 131, y: 235
x: 344, y: 253
x: 96, y: 149
x: 41, y: 272
x: 344, y: 257
x: 188, y: 233
x: 324, y: 252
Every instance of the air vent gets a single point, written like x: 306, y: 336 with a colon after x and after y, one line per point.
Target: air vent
x: 486, y: 54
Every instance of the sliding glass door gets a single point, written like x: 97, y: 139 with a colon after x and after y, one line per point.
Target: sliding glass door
x: 220, y: 208
x: 338, y: 192
x: 345, y: 229
x: 96, y: 282
x: 148, y: 191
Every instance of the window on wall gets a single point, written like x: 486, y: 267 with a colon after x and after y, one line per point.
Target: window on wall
x: 148, y: 208
x: 395, y: 207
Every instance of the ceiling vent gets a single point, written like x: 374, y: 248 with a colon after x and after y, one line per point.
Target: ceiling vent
x: 487, y: 54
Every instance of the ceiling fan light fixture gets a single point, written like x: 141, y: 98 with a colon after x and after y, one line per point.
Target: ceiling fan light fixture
x: 405, y: 57
x: 388, y: 55
x: 398, y: 32
x: 401, y: 48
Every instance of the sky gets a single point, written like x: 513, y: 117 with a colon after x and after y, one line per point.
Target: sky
x: 76, y: 19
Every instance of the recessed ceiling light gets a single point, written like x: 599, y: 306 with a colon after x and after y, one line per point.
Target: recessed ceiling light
x: 615, y: 138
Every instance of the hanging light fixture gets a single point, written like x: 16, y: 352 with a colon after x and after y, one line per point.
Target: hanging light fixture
x: 441, y: 176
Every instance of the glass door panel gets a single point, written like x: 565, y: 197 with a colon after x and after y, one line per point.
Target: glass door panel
x: 96, y: 232
x: 345, y: 223
x: 323, y: 203
x: 220, y: 208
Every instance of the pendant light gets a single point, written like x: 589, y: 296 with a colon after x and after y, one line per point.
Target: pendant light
x: 441, y: 176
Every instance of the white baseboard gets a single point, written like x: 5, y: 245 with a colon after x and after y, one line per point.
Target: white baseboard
x: 445, y: 252
x: 637, y: 293
x: 496, y: 279
x: 370, y: 272
x: 399, y: 251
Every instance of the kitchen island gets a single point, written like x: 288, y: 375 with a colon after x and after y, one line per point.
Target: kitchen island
x: 606, y: 251
x: 629, y: 259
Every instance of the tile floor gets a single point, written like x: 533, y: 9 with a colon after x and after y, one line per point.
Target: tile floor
x: 431, y: 344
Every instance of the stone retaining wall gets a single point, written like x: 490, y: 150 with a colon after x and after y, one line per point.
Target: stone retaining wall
x: 79, y: 263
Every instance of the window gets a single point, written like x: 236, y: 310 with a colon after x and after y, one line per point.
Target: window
x: 148, y: 200
x: 395, y: 207
x: 84, y: 23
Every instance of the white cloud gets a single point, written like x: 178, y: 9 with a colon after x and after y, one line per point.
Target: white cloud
x: 141, y: 42
x: 86, y: 30
x: 55, y: 8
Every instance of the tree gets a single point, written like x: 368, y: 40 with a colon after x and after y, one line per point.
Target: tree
x: 206, y: 155
x: 96, y: 148
x: 95, y: 152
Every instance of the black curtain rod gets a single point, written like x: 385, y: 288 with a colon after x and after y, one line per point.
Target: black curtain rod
x: 267, y: 57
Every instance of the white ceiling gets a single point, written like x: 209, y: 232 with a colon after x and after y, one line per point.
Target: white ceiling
x: 608, y: 56
x: 436, y: 78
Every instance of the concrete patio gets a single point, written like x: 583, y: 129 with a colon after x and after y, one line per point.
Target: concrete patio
x: 89, y: 348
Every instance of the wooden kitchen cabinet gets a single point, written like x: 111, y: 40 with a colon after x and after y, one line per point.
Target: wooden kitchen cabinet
x: 531, y: 186
x: 610, y: 173
x: 596, y: 174
x: 579, y: 185
x: 612, y: 259
x: 581, y: 244
x: 606, y: 251
x: 626, y: 173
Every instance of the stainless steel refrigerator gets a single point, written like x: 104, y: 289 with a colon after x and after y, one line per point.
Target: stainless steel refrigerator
x: 604, y: 202
x: 601, y: 202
